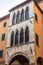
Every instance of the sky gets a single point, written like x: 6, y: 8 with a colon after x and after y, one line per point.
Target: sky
x: 6, y: 5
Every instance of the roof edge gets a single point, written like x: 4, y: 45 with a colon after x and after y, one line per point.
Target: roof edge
x: 6, y: 16
x: 38, y: 7
x: 21, y: 4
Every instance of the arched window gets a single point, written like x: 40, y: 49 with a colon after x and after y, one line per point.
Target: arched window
x: 16, y: 38
x: 39, y: 61
x: 22, y: 15
x: 21, y: 36
x: 13, y: 19
x: 18, y: 17
x: 26, y: 35
x: 12, y: 38
x: 27, y: 13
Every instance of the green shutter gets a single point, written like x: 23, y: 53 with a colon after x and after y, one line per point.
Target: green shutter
x: 3, y: 36
x: 36, y: 17
x: 37, y: 40
x: 4, y: 24
x: 1, y: 53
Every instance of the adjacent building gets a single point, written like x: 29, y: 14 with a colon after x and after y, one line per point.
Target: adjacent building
x: 4, y: 22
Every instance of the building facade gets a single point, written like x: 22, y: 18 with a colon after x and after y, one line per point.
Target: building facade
x: 24, y: 43
x: 25, y: 35
x: 4, y: 22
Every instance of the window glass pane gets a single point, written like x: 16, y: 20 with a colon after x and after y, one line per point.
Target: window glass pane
x: 1, y: 53
x: 3, y: 36
x: 27, y: 13
x: 4, y: 24
x: 37, y: 40
x: 18, y: 17
x: 16, y: 38
x: 22, y: 15
x: 12, y: 38
x: 13, y: 19
x: 26, y: 35
x: 21, y: 36
x: 36, y: 17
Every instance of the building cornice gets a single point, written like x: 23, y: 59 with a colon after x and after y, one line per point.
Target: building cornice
x: 4, y: 17
x: 25, y: 2
x: 21, y: 4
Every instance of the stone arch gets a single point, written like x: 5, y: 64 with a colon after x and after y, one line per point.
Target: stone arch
x: 39, y: 61
x: 16, y: 29
x: 19, y: 56
x: 26, y: 27
x: 22, y: 27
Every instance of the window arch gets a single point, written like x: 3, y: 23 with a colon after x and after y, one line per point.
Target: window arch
x: 18, y: 17
x: 27, y: 13
x: 12, y: 38
x: 21, y: 36
x: 22, y: 15
x: 13, y: 19
x: 16, y: 38
x: 27, y: 35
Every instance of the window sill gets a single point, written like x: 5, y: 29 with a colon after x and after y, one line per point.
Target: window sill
x: 21, y: 44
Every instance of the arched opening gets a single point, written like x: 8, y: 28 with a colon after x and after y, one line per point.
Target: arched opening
x: 20, y: 60
x: 13, y: 19
x: 16, y: 38
x: 18, y: 17
x: 39, y: 61
x: 26, y: 35
x: 21, y: 36
x: 27, y: 13
x: 22, y: 15
x: 12, y: 38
